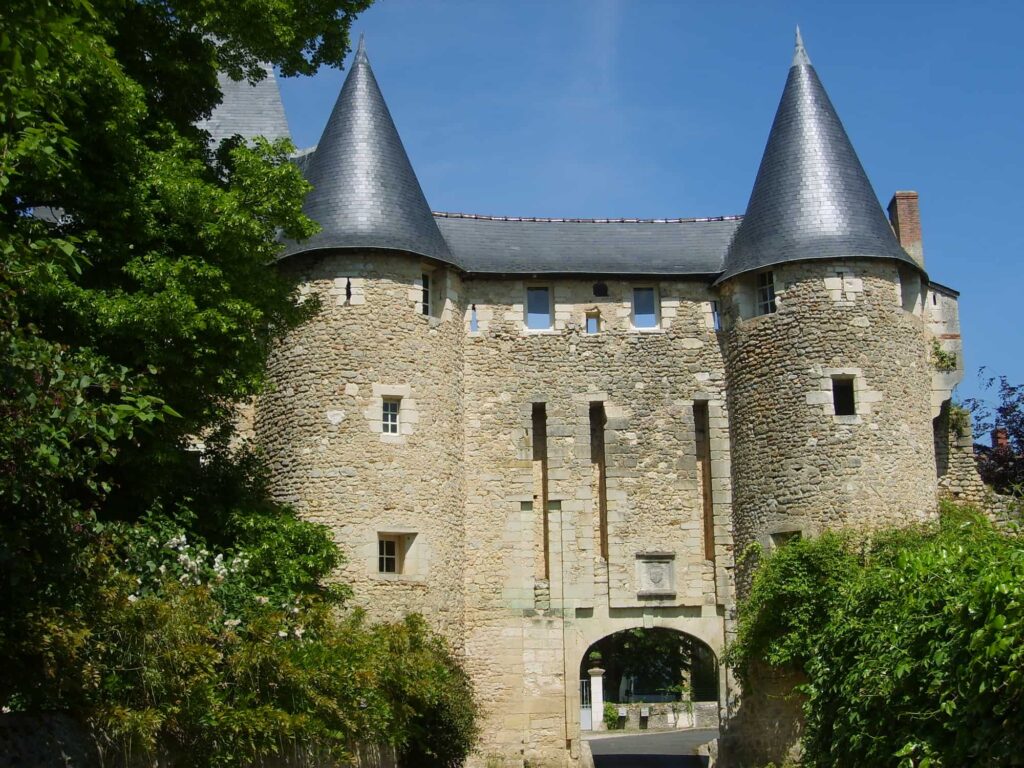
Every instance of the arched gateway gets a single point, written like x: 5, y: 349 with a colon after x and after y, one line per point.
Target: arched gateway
x: 650, y: 678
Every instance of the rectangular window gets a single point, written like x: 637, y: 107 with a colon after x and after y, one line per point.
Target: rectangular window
x: 765, y: 293
x: 389, y: 415
x: 842, y: 396
x: 593, y: 322
x: 474, y: 323
x: 645, y: 313
x: 425, y: 302
x: 388, y: 554
x: 716, y: 317
x: 538, y: 309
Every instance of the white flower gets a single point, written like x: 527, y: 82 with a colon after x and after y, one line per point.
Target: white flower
x: 132, y: 598
x: 299, y: 631
x: 283, y: 633
x: 262, y: 600
x: 232, y: 622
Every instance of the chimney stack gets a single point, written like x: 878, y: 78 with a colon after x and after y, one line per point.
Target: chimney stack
x: 905, y: 217
x: 1000, y: 439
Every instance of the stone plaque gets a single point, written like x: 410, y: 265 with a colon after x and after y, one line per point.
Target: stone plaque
x: 656, y: 574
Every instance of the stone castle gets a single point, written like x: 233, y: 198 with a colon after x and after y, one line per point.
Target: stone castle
x: 539, y: 432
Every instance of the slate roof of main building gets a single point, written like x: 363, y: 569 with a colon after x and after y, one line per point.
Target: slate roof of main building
x: 811, y: 200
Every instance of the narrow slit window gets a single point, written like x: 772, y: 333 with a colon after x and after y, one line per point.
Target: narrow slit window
x: 474, y: 324
x: 425, y: 301
x: 538, y: 309
x: 644, y: 308
x: 843, y: 397
x: 766, y: 293
x: 716, y: 317
x: 389, y: 415
x: 388, y: 554
x: 593, y: 322
x: 348, y: 290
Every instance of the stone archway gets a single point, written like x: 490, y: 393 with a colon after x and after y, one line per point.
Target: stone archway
x: 655, y: 677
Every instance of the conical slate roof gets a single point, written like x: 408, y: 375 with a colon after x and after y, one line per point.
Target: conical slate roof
x: 365, y: 193
x: 811, y: 198
x: 247, y: 109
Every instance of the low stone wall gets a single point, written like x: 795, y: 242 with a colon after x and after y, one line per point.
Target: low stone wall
x: 667, y: 715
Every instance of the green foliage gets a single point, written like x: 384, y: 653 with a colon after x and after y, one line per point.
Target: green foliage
x: 164, y: 600
x: 959, y: 420
x: 942, y: 360
x: 611, y: 716
x: 1001, y: 467
x: 791, y: 597
x: 917, y: 654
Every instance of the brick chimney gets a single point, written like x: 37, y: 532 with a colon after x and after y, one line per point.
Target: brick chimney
x: 905, y: 217
x: 1000, y: 439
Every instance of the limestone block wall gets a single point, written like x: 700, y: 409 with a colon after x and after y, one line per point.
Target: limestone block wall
x: 322, y: 426
x: 529, y: 619
x: 942, y: 319
x: 796, y: 465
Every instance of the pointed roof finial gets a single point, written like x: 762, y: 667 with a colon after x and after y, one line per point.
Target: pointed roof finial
x: 361, y: 48
x: 800, y: 57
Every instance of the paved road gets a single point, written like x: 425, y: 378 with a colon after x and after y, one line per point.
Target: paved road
x: 675, y: 749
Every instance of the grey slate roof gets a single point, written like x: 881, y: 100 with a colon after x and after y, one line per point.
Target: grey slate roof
x: 249, y: 110
x: 365, y: 193
x: 811, y: 198
x: 486, y: 244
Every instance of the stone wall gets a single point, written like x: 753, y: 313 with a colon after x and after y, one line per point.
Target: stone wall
x: 796, y: 465
x: 321, y: 426
x: 527, y: 631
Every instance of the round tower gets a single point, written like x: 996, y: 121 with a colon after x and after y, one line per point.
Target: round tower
x: 362, y: 423
x: 828, y: 366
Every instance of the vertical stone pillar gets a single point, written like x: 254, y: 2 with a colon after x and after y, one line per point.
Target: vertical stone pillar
x: 597, y: 697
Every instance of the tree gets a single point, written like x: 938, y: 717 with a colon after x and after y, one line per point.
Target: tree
x: 1002, y: 465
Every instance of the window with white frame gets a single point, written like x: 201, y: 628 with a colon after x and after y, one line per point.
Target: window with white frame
x: 390, y: 409
x: 765, y: 293
x: 645, y: 308
x: 389, y: 553
x: 538, y: 308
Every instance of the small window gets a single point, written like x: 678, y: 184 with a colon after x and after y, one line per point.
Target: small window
x: 644, y: 308
x: 538, y: 309
x: 782, y: 538
x: 842, y: 396
x: 389, y: 554
x: 765, y: 293
x: 593, y: 322
x: 474, y: 324
x: 425, y: 301
x: 600, y: 289
x: 389, y: 415
x: 716, y: 317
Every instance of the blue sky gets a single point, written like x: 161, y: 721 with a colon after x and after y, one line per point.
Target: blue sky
x: 661, y: 108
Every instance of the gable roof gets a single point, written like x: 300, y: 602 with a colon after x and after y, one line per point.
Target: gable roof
x: 515, y: 245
